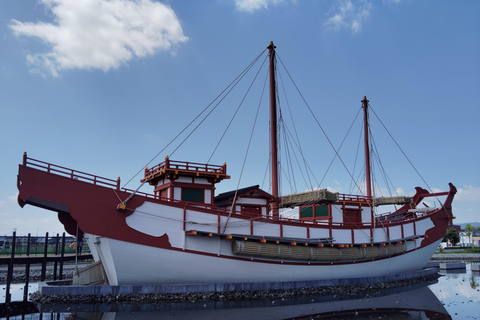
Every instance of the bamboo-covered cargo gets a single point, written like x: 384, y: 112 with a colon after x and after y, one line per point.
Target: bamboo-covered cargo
x: 309, y: 197
x: 314, y: 253
x: 391, y: 200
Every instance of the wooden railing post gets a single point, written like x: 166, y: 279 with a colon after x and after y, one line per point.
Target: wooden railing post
x: 44, y: 263
x: 62, y: 253
x: 56, y: 262
x: 167, y: 163
x: 27, y: 271
x: 8, y: 296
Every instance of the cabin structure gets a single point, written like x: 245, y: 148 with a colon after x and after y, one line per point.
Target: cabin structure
x: 185, y: 181
x: 251, y: 201
x: 344, y: 211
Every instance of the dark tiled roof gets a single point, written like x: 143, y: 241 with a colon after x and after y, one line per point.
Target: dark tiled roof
x: 230, y: 194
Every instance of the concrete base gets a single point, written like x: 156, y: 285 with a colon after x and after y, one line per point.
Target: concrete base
x: 225, y: 287
x: 452, y: 265
x: 432, y: 264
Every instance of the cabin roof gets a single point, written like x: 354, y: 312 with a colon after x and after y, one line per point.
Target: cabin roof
x: 243, y: 191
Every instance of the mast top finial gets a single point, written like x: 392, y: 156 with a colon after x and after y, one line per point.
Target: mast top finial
x: 271, y: 46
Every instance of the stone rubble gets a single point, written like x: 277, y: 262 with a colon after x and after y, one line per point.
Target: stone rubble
x: 350, y: 290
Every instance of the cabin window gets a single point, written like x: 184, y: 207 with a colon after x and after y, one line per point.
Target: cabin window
x: 306, y: 212
x: 192, y: 195
x: 314, y: 212
x: 321, y: 212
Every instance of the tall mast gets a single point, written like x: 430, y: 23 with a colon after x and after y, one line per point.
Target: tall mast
x: 273, y: 128
x: 367, y: 148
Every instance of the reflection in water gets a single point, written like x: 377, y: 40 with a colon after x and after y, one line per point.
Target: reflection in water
x: 473, y: 281
x: 456, y: 295
x: 459, y: 291
x: 417, y: 302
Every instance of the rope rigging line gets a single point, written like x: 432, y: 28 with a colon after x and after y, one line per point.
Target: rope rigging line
x: 214, y: 108
x: 266, y: 172
x: 289, y: 170
x: 319, y: 125
x: 372, y: 169
x: 404, y: 154
x: 337, y: 155
x: 290, y: 141
x: 198, y: 116
x: 246, y: 152
x: 308, y: 169
x: 296, y: 140
x: 238, y: 108
x: 356, y: 154
x: 376, y: 156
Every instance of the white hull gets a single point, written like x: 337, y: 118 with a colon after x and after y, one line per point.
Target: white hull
x: 129, y: 263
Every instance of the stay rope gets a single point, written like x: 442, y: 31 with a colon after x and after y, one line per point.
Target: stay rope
x: 231, y: 85
x: 248, y: 145
x: 404, y: 154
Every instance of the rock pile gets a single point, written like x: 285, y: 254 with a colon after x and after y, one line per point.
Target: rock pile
x: 350, y: 290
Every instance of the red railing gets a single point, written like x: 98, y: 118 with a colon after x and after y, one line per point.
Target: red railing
x: 70, y: 173
x: 352, y: 198
x: 189, y: 166
x: 97, y: 180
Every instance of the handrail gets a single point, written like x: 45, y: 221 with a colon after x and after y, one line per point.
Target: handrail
x: 97, y: 180
x: 185, y: 165
x: 355, y: 198
x: 70, y: 173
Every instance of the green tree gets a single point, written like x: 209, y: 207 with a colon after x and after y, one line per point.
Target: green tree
x: 452, y: 236
x: 469, y: 232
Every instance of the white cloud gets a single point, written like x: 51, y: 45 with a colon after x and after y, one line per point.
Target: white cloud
x: 100, y: 34
x: 334, y: 190
x: 349, y: 15
x: 468, y: 193
x: 253, y: 5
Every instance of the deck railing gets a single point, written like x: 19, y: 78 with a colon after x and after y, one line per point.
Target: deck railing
x: 70, y: 173
x: 105, y: 182
x: 189, y: 166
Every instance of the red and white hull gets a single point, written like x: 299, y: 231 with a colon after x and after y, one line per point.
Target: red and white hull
x: 159, y: 241
x: 207, y: 258
x: 129, y: 263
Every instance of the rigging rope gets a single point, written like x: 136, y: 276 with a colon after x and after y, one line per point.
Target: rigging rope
x: 404, y: 154
x: 297, y: 140
x: 248, y: 148
x: 238, y: 108
x: 198, y: 116
x: 319, y: 125
x: 337, y: 155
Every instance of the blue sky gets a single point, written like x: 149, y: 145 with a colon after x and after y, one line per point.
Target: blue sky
x: 102, y: 86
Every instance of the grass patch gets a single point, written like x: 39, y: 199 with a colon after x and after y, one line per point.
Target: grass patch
x: 466, y: 250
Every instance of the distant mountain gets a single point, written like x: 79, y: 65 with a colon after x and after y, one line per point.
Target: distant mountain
x: 463, y: 225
